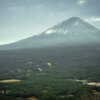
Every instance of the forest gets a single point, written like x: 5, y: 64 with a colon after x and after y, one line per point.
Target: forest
x: 50, y: 73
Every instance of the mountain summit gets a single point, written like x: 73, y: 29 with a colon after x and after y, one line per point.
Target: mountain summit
x: 68, y: 32
x: 73, y: 26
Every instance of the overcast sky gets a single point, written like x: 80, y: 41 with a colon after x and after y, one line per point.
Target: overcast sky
x: 24, y: 18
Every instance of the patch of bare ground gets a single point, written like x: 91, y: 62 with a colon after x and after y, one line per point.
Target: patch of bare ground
x: 88, y: 83
x: 9, y: 81
x: 32, y: 98
x: 93, y: 84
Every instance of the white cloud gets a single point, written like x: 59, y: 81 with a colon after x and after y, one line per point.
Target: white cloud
x: 81, y: 2
x: 93, y: 19
x: 50, y: 31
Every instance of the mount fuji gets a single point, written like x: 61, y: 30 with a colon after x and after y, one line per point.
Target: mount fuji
x: 73, y: 31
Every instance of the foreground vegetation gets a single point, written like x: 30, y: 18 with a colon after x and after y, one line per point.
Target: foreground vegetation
x: 48, y: 74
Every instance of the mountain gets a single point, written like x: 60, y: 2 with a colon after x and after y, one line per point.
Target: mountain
x: 68, y: 32
x: 74, y: 26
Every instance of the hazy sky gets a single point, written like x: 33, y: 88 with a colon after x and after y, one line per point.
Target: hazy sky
x: 23, y: 18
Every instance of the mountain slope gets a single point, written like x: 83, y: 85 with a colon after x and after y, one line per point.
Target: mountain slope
x: 73, y: 26
x: 69, y: 32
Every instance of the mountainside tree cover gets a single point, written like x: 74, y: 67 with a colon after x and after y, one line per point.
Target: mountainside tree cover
x: 56, y: 80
